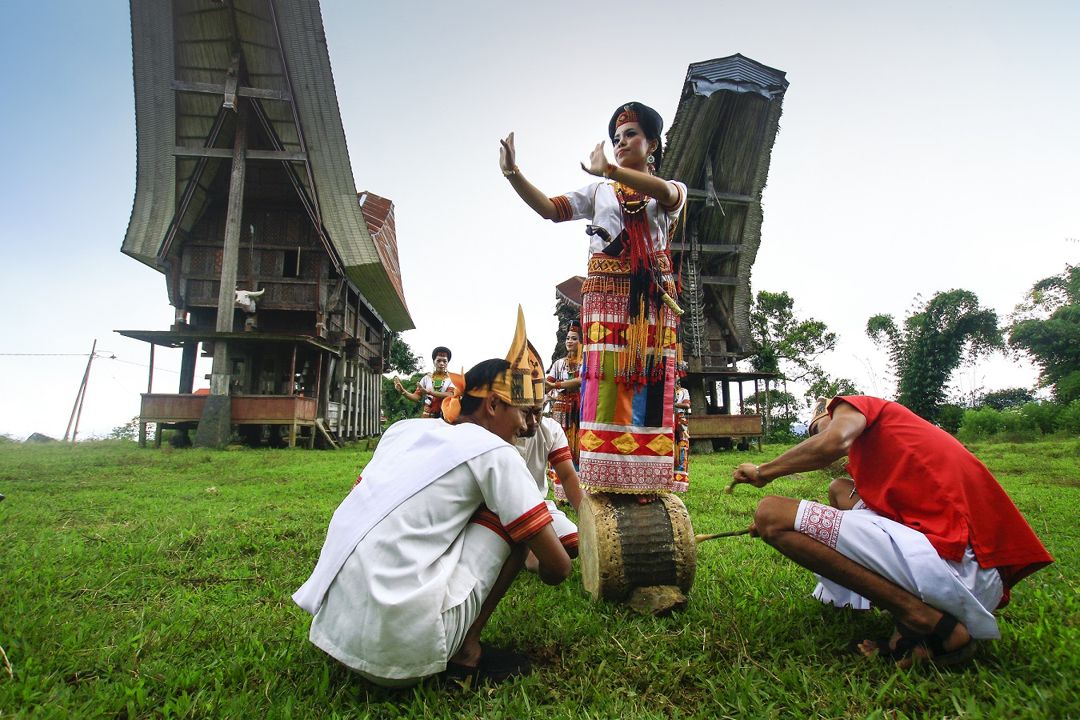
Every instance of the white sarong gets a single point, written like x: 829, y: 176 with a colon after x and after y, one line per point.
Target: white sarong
x: 903, y: 556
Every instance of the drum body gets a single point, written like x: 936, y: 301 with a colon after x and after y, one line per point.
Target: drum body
x: 626, y: 544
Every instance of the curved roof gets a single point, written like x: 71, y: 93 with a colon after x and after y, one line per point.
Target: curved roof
x: 191, y: 58
x: 720, y: 144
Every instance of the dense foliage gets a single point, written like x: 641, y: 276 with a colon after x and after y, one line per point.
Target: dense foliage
x: 931, y: 343
x: 1031, y: 421
x: 790, y: 347
x: 1047, y: 327
x: 402, y: 359
x: 1006, y: 398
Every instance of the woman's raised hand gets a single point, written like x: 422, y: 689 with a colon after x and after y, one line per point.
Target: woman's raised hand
x: 507, y: 154
x: 598, y: 162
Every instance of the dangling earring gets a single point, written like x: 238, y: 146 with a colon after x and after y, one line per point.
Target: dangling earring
x: 651, y: 160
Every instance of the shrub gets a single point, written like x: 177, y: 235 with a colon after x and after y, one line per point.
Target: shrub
x: 980, y: 424
x: 1068, y: 420
x: 950, y: 417
x: 1018, y: 426
x: 1044, y: 415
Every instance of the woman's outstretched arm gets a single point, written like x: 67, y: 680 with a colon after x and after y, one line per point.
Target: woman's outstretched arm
x: 664, y: 191
x: 528, y: 192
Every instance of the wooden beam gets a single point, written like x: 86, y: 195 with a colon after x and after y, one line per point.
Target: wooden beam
x: 241, y: 90
x: 232, y: 80
x: 189, y: 189
x: 723, y: 197
x: 220, y: 372
x: 214, y: 152
x: 718, y: 280
x: 719, y: 249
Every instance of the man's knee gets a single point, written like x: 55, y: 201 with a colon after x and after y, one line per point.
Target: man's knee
x: 842, y: 493
x: 774, y: 515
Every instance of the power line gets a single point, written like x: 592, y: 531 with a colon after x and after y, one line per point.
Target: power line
x: 44, y: 354
x: 97, y: 356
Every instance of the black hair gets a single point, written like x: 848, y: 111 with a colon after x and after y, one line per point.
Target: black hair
x: 481, y: 376
x: 651, y: 124
x: 441, y: 349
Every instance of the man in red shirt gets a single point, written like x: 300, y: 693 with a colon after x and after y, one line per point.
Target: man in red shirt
x: 923, y: 530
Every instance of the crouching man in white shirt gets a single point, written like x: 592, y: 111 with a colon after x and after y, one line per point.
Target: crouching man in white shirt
x: 421, y: 551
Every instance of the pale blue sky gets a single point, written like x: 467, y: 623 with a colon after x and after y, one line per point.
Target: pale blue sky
x: 924, y: 146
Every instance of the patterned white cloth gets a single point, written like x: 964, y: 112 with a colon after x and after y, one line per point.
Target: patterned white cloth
x: 903, y: 556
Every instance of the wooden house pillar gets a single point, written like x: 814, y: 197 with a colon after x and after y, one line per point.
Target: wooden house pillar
x: 215, y: 426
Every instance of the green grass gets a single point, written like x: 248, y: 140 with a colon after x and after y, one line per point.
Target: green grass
x: 143, y: 583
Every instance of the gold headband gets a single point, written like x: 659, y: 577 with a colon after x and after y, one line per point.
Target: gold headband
x: 522, y: 384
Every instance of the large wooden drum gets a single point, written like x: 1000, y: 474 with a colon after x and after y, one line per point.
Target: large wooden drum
x: 625, y: 544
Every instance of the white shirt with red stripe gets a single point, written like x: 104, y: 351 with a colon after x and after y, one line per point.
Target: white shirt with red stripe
x: 548, y: 445
x: 405, y: 572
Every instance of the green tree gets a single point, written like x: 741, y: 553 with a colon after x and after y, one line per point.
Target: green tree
x: 402, y: 358
x: 1046, y: 326
x: 396, y: 406
x: 826, y: 386
x: 787, y: 346
x: 931, y: 344
x: 1007, y: 398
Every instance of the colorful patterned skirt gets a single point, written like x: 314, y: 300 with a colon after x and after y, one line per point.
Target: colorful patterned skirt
x: 626, y: 437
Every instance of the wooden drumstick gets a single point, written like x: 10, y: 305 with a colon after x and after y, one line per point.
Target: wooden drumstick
x: 733, y: 533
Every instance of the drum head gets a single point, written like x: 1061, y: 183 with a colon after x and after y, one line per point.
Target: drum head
x: 624, y: 544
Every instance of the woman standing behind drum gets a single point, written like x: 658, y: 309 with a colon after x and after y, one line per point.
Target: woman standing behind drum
x: 564, y: 383
x: 626, y: 438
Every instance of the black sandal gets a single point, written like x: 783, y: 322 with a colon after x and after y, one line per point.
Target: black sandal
x: 937, y: 639
x: 496, y: 666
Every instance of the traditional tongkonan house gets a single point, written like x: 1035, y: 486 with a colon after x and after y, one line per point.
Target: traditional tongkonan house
x: 719, y: 144
x: 245, y: 202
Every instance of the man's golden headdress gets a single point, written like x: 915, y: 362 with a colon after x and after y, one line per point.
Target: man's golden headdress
x: 522, y: 384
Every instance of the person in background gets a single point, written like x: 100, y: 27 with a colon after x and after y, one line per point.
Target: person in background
x: 544, y: 445
x: 434, y: 387
x: 564, y: 389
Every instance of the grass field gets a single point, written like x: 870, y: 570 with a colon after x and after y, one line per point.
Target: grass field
x: 141, y: 583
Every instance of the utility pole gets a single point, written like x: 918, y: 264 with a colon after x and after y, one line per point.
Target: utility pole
x: 76, y: 409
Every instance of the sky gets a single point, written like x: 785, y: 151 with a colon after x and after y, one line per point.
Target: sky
x: 924, y: 146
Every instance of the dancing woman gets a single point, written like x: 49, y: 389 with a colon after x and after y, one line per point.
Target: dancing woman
x: 626, y: 437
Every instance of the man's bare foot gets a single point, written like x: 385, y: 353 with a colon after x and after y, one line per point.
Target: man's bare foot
x: 531, y: 563
x: 468, y: 655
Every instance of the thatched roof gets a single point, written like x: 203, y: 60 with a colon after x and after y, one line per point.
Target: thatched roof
x: 183, y: 52
x: 720, y: 144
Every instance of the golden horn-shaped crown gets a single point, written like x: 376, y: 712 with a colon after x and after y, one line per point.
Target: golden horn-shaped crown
x: 522, y: 384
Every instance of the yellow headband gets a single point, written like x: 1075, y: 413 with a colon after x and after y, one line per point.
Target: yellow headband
x: 522, y: 384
